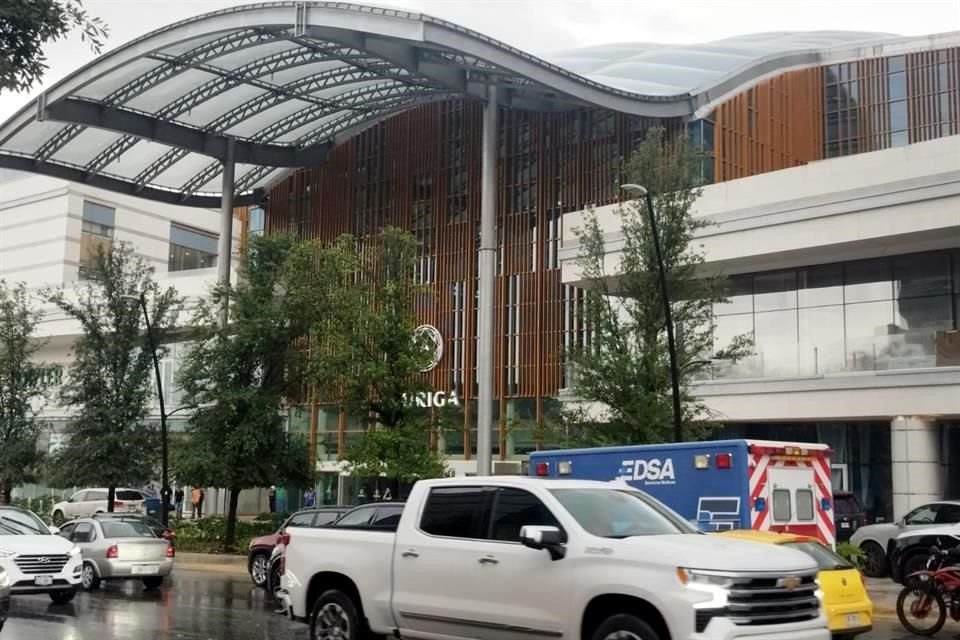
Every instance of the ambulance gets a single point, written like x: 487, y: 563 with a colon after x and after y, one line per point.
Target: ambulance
x: 721, y: 485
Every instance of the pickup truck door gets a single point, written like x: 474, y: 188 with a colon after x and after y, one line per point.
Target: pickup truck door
x: 463, y: 574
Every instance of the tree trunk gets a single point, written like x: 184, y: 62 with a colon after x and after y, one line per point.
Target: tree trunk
x: 231, y: 518
x: 7, y: 494
x: 111, y: 496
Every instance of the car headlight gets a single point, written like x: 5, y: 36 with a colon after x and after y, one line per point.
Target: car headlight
x: 4, y: 580
x: 694, y: 578
x: 73, y: 553
x: 6, y: 553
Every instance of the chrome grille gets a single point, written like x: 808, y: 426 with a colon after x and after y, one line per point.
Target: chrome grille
x: 773, y: 600
x: 41, y: 564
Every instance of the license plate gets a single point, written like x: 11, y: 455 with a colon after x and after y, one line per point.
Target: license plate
x: 43, y: 581
x: 145, y: 569
x: 844, y: 525
x: 853, y: 619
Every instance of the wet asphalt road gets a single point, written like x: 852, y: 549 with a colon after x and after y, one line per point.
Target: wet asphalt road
x: 197, y: 606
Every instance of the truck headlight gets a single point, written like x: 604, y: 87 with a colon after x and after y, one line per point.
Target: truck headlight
x: 73, y: 553
x: 694, y: 578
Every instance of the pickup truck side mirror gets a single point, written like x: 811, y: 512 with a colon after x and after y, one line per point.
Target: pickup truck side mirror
x: 540, y: 538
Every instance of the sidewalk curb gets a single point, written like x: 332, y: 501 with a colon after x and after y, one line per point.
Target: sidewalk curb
x: 211, y: 559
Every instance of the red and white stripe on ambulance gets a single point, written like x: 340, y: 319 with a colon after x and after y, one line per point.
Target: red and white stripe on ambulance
x: 790, y: 490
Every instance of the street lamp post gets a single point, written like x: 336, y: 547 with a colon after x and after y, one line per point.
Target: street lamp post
x: 637, y: 190
x: 164, y: 461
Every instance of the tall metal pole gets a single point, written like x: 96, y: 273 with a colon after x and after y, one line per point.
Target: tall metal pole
x: 164, y: 459
x: 487, y: 276
x: 225, y: 247
x: 668, y: 320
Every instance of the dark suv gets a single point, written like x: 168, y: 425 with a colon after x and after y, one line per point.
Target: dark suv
x: 849, y: 514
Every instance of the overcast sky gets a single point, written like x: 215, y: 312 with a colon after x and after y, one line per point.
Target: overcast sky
x: 540, y: 26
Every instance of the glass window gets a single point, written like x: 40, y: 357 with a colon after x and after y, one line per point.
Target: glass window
x: 868, y: 280
x: 825, y: 558
x: 610, y: 513
x: 776, y: 290
x: 898, y: 115
x: 126, y: 529
x: 190, y: 249
x: 300, y: 520
x: 919, y: 319
x: 739, y: 296
x: 805, y: 511
x: 926, y: 514
x: 897, y: 63
x: 388, y: 516
x: 515, y: 508
x: 944, y: 100
x: 820, y: 286
x: 66, y: 531
x: 127, y: 494
x: 256, y: 221
x: 19, y: 522
x: 326, y: 517
x: 726, y: 328
x: 79, y: 496
x: 896, y: 86
x: 95, y: 495
x: 943, y: 77
x: 782, y: 511
x: 775, y: 336
x: 455, y: 512
x: 83, y: 533
x: 899, y: 139
x: 948, y: 514
x: 820, y: 331
x: 357, y: 517
x: 924, y: 274
x: 96, y: 234
x: 867, y: 326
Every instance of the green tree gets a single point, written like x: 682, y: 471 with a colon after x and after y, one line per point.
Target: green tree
x: 27, y: 25
x: 23, y: 389
x: 235, y: 379
x: 110, y: 383
x: 624, y: 367
x: 370, y: 357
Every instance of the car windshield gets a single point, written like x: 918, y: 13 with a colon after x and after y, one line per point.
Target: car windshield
x: 14, y: 522
x: 826, y: 559
x: 620, y: 514
x: 126, y: 529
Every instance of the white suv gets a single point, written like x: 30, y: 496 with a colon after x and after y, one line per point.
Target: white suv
x: 34, y: 559
x: 87, y: 502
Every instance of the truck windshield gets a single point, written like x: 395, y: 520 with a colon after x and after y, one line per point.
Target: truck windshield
x: 16, y: 522
x: 620, y: 514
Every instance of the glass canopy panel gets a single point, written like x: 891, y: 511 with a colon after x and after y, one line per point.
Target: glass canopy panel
x: 136, y: 159
x: 183, y: 171
x: 241, y: 57
x: 29, y: 139
x: 105, y: 85
x: 255, y: 125
x: 86, y: 146
x: 156, y: 98
x: 206, y: 112
x: 191, y: 44
x: 295, y: 135
x: 329, y: 93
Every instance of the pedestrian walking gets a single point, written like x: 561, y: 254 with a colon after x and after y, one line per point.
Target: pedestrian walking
x: 178, y: 503
x: 309, y: 497
x: 272, y: 498
x: 195, y: 501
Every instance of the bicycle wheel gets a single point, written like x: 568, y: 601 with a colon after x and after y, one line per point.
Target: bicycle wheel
x: 921, y: 610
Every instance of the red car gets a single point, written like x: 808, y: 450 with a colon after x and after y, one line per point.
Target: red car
x: 258, y: 555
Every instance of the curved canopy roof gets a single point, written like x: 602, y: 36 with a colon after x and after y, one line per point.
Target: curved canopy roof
x: 280, y: 83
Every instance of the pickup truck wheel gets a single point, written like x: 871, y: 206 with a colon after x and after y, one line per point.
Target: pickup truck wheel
x: 334, y: 617
x: 875, y: 563
x: 624, y: 627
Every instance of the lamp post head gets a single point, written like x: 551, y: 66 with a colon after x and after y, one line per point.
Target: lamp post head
x: 636, y: 190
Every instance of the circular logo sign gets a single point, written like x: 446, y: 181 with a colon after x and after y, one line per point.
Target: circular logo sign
x: 431, y: 336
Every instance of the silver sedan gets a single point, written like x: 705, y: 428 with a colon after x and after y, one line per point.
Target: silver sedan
x: 119, y: 550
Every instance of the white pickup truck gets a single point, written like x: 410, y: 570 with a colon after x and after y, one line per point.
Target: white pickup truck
x: 505, y: 558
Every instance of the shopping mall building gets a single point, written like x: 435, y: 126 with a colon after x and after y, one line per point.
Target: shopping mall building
x: 831, y: 165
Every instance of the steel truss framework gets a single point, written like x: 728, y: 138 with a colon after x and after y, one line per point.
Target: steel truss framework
x: 276, y: 85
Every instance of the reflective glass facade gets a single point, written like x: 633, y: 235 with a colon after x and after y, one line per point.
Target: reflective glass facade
x: 868, y: 315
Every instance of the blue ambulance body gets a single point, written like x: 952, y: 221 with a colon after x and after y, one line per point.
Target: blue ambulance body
x: 709, y: 483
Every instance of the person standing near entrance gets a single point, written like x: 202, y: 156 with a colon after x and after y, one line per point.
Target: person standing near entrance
x: 178, y: 503
x: 195, y: 497
x: 281, y: 500
x: 309, y: 497
x: 200, y: 503
x: 272, y: 498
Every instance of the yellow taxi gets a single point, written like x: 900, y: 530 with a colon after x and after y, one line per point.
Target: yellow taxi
x: 845, y: 602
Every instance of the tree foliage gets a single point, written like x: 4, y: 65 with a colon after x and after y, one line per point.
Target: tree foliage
x: 236, y: 379
x: 27, y: 25
x: 624, y: 367
x: 23, y: 388
x: 367, y: 354
x: 110, y: 383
